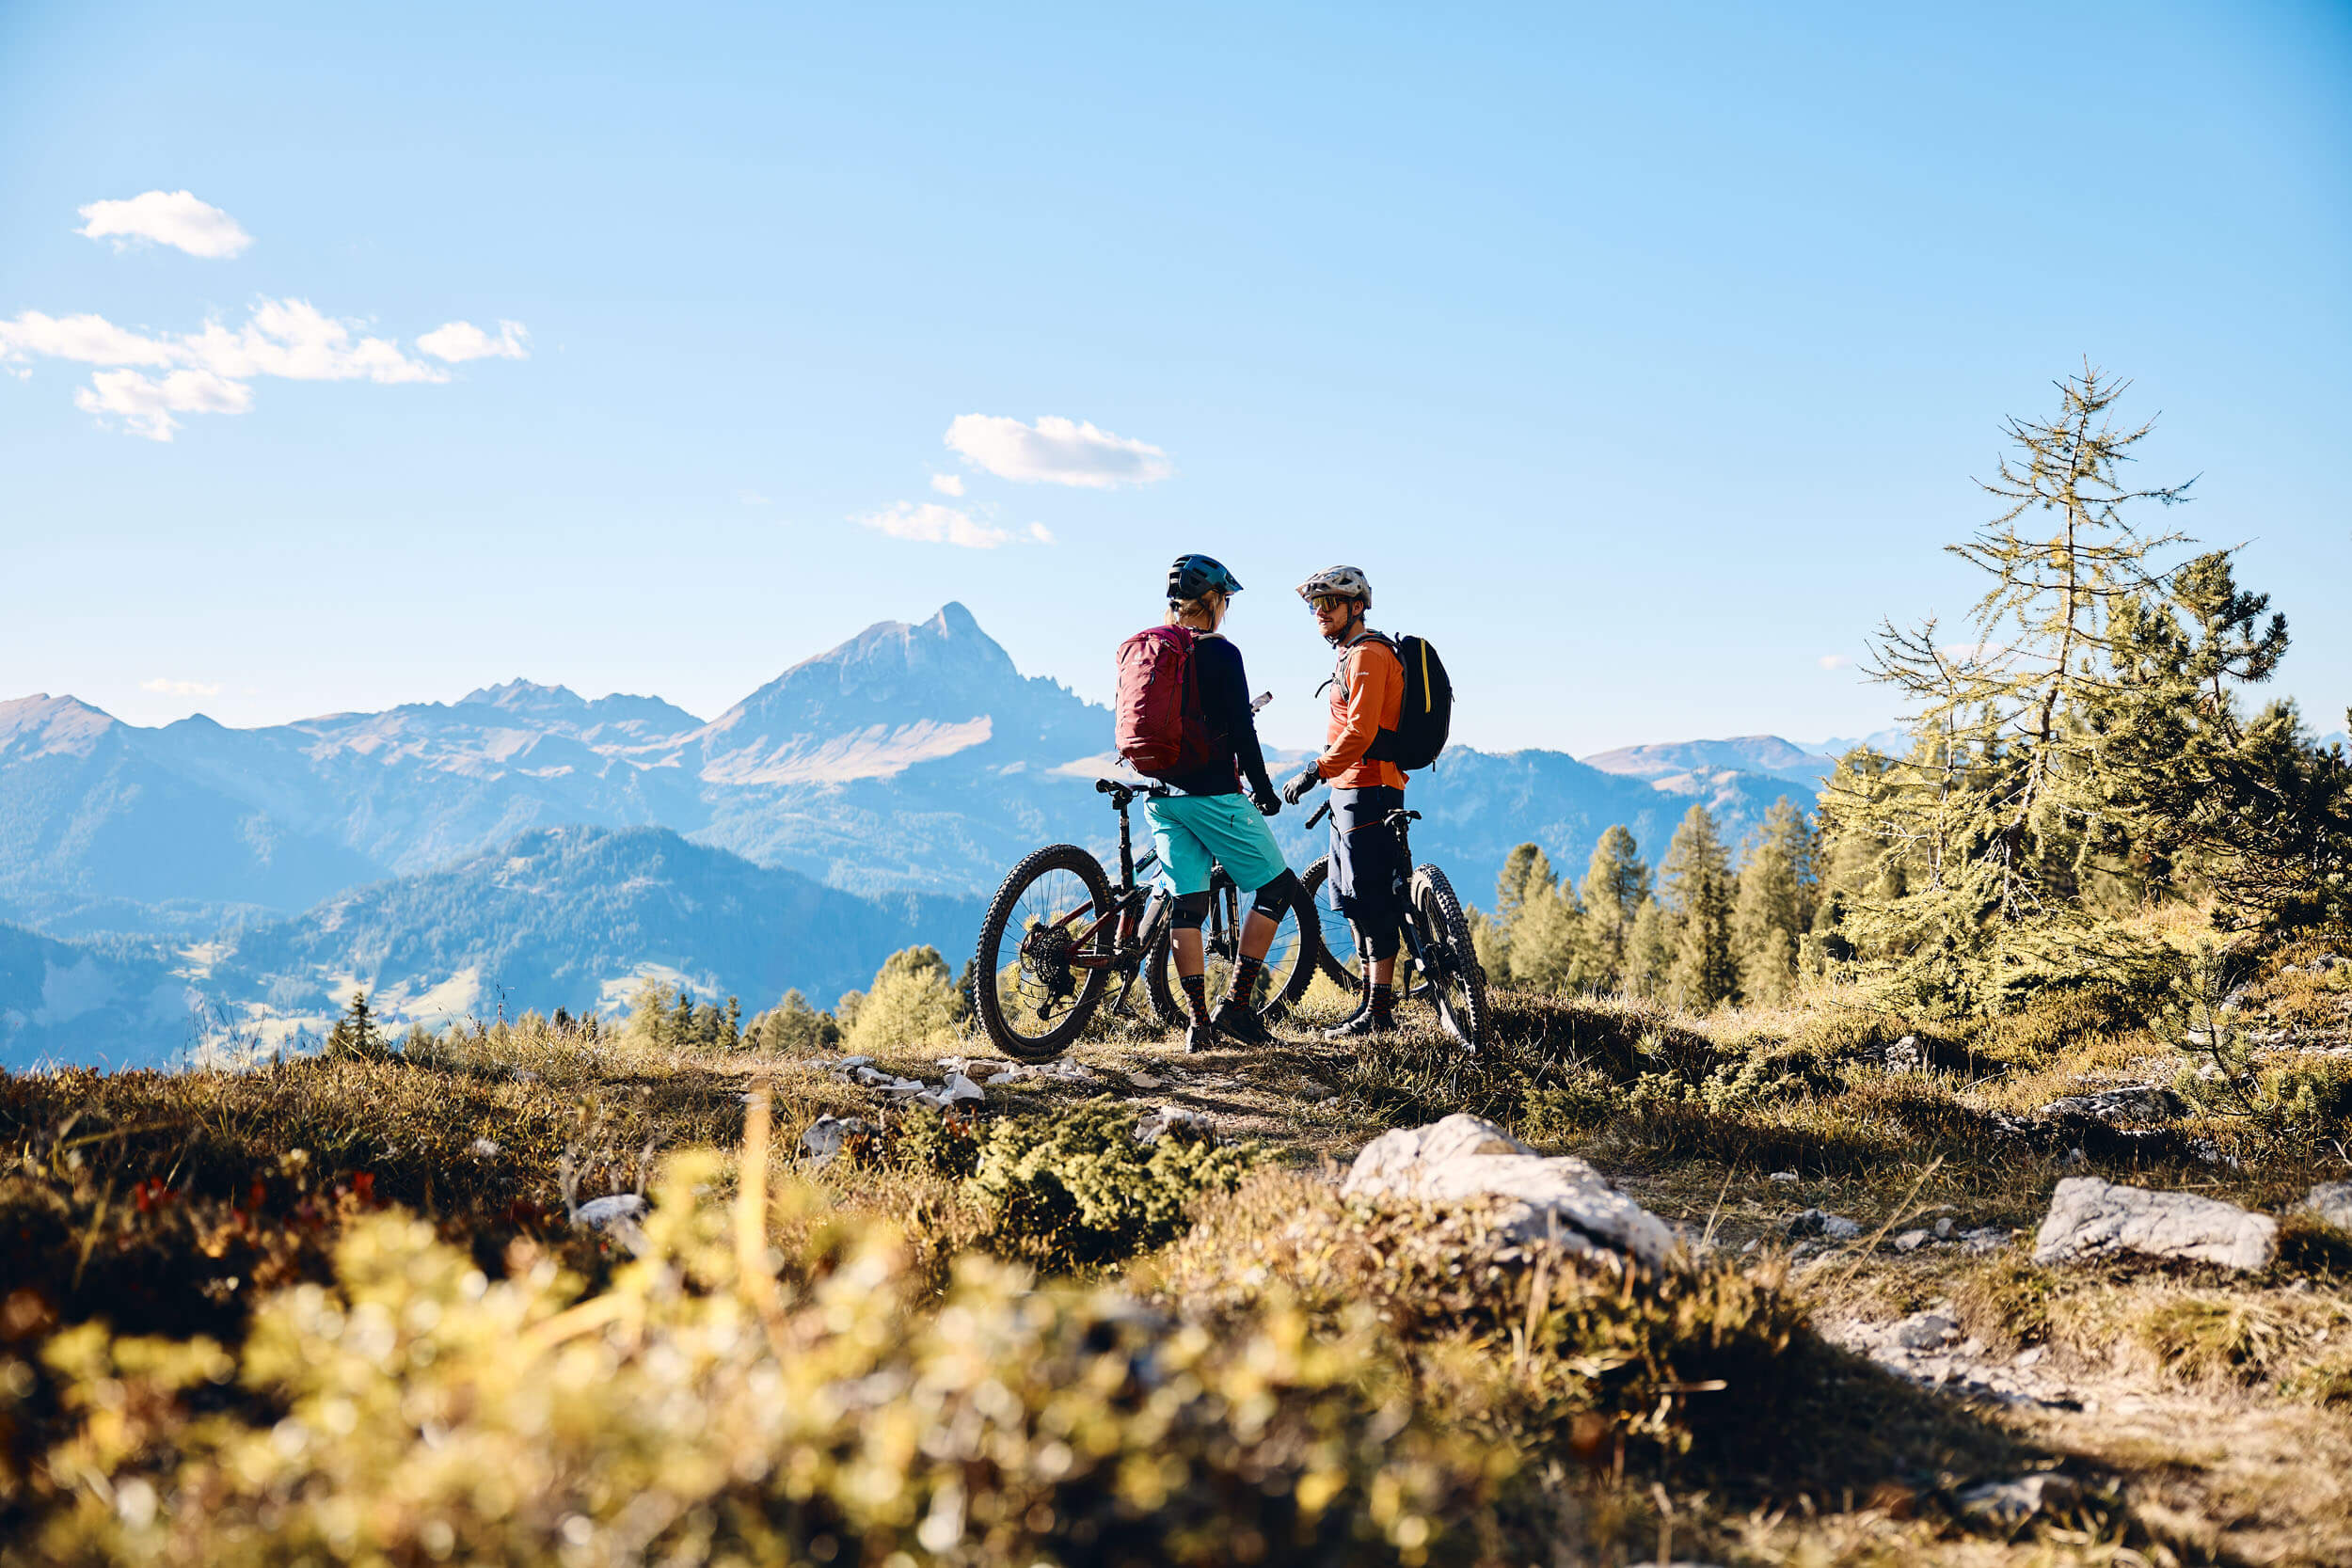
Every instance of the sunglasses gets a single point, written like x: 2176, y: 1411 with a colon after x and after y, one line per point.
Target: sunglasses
x: 1326, y: 603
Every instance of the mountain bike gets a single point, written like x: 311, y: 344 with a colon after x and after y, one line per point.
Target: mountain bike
x: 1437, y: 962
x: 1058, y: 931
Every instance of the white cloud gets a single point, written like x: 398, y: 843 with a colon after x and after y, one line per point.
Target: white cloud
x: 1835, y: 661
x: 290, y: 339
x: 930, y: 523
x: 947, y: 484
x: 175, y: 218
x: 88, y: 340
x: 1040, y: 534
x: 181, y: 689
x: 293, y: 339
x: 1056, y: 452
x: 751, y: 498
x: 145, y: 407
x: 459, y: 341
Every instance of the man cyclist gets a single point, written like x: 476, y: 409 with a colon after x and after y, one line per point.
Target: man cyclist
x: 1206, y: 820
x: 1367, y: 873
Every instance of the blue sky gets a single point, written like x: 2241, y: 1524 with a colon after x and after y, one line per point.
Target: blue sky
x: 1642, y: 356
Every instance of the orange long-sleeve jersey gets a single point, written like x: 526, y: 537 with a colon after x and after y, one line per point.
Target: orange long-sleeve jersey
x: 1367, y: 696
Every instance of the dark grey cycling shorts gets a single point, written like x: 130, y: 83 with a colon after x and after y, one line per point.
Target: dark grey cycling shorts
x: 1367, y: 867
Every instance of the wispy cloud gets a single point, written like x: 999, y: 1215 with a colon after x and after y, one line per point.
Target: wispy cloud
x: 210, y: 369
x: 181, y: 689
x: 145, y: 407
x: 1835, y: 661
x: 175, y: 218
x: 947, y: 484
x: 1039, y: 533
x: 1055, y: 451
x: 87, y: 339
x: 930, y: 523
x: 459, y: 341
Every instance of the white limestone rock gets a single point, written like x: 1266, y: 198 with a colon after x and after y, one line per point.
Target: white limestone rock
x: 618, y: 1217
x: 1817, y: 1222
x: 1463, y: 1157
x: 2332, y: 1201
x: 825, y: 1137
x: 2088, y: 1217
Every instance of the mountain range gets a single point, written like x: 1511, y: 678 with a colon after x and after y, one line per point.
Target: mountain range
x: 530, y: 844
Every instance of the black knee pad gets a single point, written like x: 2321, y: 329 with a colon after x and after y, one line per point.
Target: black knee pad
x: 1190, y: 911
x: 1275, y: 897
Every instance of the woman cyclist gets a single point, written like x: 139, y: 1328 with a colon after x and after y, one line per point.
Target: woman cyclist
x: 1206, y: 820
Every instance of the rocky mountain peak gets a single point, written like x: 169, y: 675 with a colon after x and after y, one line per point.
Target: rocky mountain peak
x: 42, y: 725
x: 522, y: 696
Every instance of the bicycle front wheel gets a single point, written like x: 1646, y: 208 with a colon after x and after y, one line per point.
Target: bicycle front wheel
x: 1290, y: 959
x: 1451, y: 975
x: 1032, y: 999
x: 1335, y: 944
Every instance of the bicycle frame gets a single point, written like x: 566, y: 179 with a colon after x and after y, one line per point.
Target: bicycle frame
x: 1086, y: 952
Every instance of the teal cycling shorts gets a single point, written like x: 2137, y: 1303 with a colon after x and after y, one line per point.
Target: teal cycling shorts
x: 1191, y: 831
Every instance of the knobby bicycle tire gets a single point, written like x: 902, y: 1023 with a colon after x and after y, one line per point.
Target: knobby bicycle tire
x: 990, y: 958
x: 1159, y: 971
x: 1459, y: 992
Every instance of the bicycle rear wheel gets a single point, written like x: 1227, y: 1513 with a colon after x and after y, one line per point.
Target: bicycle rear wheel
x: 1451, y: 977
x: 1290, y: 959
x: 1031, y: 999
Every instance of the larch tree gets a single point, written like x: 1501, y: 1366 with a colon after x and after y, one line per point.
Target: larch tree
x: 1985, y: 833
x: 1694, y: 882
x: 1774, y: 907
x: 1616, y: 882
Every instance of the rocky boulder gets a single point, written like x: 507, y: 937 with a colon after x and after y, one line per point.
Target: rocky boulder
x: 1558, y: 1198
x: 2089, y: 1217
x: 2332, y: 1202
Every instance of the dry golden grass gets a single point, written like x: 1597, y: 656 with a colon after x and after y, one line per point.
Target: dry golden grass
x: 179, y: 1206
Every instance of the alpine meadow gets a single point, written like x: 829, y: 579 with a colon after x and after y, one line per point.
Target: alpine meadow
x: 1183, y: 1009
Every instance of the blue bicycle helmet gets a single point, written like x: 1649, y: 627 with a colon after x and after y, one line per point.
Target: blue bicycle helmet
x: 1194, y: 575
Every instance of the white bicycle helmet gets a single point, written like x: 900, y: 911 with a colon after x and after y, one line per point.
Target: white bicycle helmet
x: 1348, y: 582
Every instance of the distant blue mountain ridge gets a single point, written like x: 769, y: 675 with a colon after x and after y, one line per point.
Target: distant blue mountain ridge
x: 447, y: 856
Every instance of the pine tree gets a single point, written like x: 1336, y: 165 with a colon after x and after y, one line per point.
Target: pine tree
x: 649, y: 1013
x: 911, y: 1002
x: 1548, y: 947
x: 2251, y: 809
x: 1649, y: 949
x: 1493, y: 933
x: 1616, y: 882
x: 731, y: 1027
x: 683, y: 1032
x: 1774, y: 905
x: 354, y: 1035
x: 1983, y: 836
x: 1694, y: 882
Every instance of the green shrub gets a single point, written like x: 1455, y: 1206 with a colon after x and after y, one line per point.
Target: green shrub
x: 415, y: 1411
x: 1075, y: 1188
x: 937, y: 1143
x: 1553, y: 1114
x: 1523, y: 1339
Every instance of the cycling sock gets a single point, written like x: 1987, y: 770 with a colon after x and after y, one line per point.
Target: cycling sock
x: 1245, y: 982
x: 1195, y: 996
x: 1383, y: 1004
